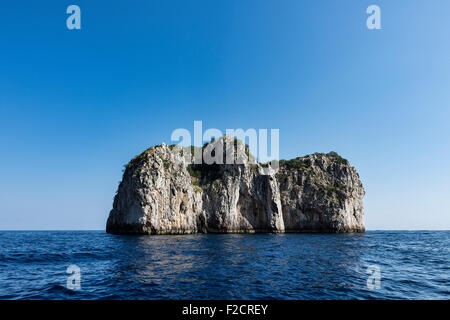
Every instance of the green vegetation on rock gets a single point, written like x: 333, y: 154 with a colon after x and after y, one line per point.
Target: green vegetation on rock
x: 166, y: 164
x: 296, y: 163
x: 194, y: 173
x: 336, y: 157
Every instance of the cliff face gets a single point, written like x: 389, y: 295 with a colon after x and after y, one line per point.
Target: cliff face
x: 321, y: 193
x: 161, y: 193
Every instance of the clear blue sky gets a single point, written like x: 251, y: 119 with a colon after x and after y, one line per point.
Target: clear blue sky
x: 75, y: 106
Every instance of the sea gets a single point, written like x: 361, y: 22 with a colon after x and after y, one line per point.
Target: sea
x: 96, y: 265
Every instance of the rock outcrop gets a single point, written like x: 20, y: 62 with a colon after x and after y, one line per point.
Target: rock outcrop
x: 163, y: 193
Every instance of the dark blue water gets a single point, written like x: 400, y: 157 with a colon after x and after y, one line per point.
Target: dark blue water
x: 412, y: 265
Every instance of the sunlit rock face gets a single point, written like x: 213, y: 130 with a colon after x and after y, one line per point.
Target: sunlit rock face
x: 161, y: 192
x: 321, y: 193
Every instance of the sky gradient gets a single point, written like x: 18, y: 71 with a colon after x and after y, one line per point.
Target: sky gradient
x: 76, y: 105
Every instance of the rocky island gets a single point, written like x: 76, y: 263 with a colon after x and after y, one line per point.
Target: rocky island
x: 162, y: 192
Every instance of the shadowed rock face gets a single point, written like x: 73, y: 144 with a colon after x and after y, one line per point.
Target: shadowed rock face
x: 161, y: 193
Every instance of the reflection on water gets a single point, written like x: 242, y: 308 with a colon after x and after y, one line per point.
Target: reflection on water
x: 256, y: 266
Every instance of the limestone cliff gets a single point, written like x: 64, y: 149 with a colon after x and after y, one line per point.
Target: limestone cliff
x: 161, y: 193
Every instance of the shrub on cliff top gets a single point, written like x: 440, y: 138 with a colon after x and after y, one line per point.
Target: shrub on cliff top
x: 335, y: 156
x: 296, y: 163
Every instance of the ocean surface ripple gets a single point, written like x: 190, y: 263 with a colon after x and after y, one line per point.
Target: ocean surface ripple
x: 412, y: 265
